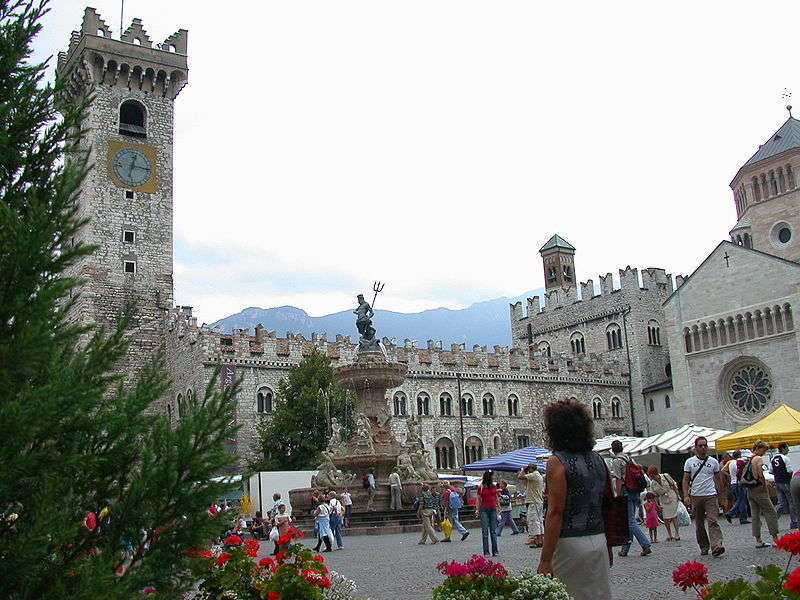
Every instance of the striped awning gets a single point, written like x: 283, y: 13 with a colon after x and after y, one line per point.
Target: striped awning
x: 674, y: 441
x: 511, y: 461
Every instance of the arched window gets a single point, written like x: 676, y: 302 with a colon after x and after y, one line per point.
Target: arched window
x: 523, y: 441
x: 399, y: 404
x: 597, y: 408
x: 264, y: 399
x: 577, y: 343
x: 513, y: 405
x: 653, y: 333
x: 773, y: 184
x: 544, y: 349
x: 614, y: 336
x: 423, y: 404
x: 474, y: 449
x: 666, y: 401
x: 616, y: 408
x: 488, y: 405
x: 652, y: 405
x: 181, y: 406
x: 496, y: 443
x: 756, y: 189
x: 445, y: 404
x: 530, y: 334
x: 169, y: 412
x: 781, y: 180
x: 790, y: 176
x: 466, y: 405
x: 445, y: 454
x: 132, y: 119
x: 552, y: 276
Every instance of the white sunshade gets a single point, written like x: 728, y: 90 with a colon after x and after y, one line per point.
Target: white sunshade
x: 674, y: 441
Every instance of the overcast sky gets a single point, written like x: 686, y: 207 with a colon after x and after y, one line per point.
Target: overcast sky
x: 436, y: 145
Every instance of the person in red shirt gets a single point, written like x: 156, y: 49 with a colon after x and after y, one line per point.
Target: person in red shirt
x: 486, y: 508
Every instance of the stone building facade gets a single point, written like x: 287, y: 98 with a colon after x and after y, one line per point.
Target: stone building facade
x: 128, y: 199
x: 730, y: 324
x: 623, y: 325
x: 503, y: 392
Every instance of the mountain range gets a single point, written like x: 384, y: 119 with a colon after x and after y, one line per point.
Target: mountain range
x: 485, y: 323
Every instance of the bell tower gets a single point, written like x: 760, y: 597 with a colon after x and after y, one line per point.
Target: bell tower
x: 558, y: 260
x: 127, y: 195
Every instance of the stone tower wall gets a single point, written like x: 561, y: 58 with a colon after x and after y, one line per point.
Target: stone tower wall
x: 114, y: 71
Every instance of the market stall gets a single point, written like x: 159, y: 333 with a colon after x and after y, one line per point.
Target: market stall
x: 781, y: 425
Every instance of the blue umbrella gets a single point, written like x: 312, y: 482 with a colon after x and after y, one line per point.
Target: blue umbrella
x: 511, y: 461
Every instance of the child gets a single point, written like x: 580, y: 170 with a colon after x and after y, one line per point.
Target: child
x: 651, y: 515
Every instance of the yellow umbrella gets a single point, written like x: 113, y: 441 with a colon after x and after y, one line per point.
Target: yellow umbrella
x: 781, y: 425
x: 246, y: 508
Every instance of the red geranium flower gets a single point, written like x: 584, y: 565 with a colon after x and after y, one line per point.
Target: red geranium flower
x: 325, y: 582
x: 252, y: 543
x: 233, y: 540
x: 789, y: 542
x: 690, y: 574
x: 284, y: 539
x: 265, y: 562
x: 793, y: 581
x: 280, y: 555
x: 702, y: 593
x: 223, y: 558
x: 295, y: 533
x: 319, y: 558
x: 273, y: 596
x: 251, y: 552
x: 149, y: 590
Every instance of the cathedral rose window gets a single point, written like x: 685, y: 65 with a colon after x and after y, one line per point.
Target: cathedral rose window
x: 750, y: 389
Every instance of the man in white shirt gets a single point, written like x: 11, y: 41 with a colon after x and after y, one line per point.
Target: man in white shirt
x: 701, y: 486
x: 396, y: 489
x: 619, y: 465
x: 534, y: 501
x: 347, y: 501
x: 371, y: 487
x: 336, y: 516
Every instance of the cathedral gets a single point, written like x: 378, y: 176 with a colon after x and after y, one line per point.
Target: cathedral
x: 611, y: 350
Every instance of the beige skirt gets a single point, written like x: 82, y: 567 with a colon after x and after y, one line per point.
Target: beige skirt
x: 582, y: 564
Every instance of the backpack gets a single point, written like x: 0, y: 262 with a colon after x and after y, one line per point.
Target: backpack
x: 455, y: 501
x: 747, y: 479
x: 365, y: 481
x: 634, y: 477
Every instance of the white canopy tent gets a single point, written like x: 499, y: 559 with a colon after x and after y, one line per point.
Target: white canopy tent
x: 674, y: 441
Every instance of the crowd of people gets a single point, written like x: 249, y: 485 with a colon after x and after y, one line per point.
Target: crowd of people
x: 568, y: 514
x: 582, y: 490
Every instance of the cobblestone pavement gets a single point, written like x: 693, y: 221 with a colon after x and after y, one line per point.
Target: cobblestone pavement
x: 394, y: 567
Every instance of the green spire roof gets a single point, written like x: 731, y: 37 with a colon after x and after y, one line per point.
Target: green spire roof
x: 786, y: 138
x: 557, y: 242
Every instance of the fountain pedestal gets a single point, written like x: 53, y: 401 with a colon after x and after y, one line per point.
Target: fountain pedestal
x: 372, y: 446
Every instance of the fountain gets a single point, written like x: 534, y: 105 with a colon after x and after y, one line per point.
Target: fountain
x: 372, y: 447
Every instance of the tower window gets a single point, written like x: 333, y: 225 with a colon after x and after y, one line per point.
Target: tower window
x: 129, y: 237
x: 614, y: 337
x: 129, y: 266
x: 132, y: 119
x: 567, y: 273
x: 551, y: 275
x: 784, y: 235
x: 129, y: 195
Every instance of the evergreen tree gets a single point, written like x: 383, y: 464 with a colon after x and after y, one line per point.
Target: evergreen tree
x: 299, y: 428
x: 73, y: 438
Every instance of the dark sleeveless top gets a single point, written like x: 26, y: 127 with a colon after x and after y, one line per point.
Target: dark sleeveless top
x: 586, y: 481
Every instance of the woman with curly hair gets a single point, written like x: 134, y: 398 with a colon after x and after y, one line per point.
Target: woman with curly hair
x: 577, y: 480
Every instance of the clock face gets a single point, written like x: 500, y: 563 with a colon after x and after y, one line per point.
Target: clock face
x: 132, y: 166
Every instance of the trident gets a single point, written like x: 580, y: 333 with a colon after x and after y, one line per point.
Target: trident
x: 377, y: 287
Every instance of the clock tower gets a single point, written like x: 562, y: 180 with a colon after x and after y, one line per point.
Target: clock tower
x: 127, y: 195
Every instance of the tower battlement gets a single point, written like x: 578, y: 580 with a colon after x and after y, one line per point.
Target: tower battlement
x: 132, y: 61
x: 260, y: 347
x: 654, y: 280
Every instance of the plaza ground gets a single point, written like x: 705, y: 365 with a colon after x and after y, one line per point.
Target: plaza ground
x: 394, y: 567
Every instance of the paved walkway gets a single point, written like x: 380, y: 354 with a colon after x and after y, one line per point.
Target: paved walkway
x: 394, y: 567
